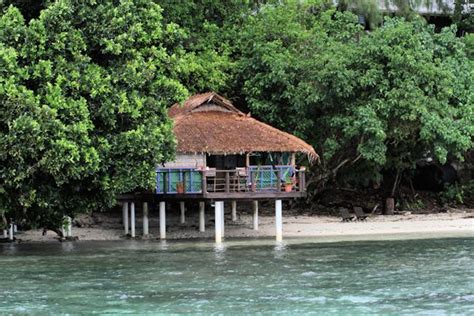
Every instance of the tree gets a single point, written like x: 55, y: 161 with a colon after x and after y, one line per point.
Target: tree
x: 206, y: 26
x: 84, y: 89
x: 369, y: 103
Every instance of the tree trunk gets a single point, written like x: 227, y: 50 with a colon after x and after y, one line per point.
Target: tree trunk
x: 389, y: 206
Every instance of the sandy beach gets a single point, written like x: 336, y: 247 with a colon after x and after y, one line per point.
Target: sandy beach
x: 108, y: 226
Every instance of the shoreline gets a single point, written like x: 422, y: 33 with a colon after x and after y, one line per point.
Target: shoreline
x: 316, y: 227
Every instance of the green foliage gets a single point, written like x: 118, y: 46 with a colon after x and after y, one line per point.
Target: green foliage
x: 371, y: 102
x: 414, y: 205
x: 84, y: 89
x: 453, y: 194
x: 30, y: 9
x: 85, y: 85
x: 458, y: 193
x: 207, y: 33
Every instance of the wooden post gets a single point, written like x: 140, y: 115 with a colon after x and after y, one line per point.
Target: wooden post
x: 125, y: 217
x: 202, y: 222
x: 247, y: 160
x: 162, y: 220
x: 301, y: 180
x: 253, y: 187
x: 278, y: 180
x: 184, y: 181
x: 293, y: 159
x: 218, y: 221
x: 234, y: 211
x: 227, y: 182
x: 165, y: 182
x: 255, y: 215
x: 132, y: 219
x: 145, y: 219
x: 278, y: 221
x: 183, y: 212
x: 203, y: 182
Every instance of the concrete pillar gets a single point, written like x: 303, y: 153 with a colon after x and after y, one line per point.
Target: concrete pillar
x: 145, y: 219
x: 218, y: 220
x: 202, y: 223
x: 234, y: 211
x: 183, y: 211
x: 162, y: 220
x: 278, y: 221
x: 10, y: 232
x: 255, y: 215
x: 132, y: 219
x: 125, y: 217
x: 69, y: 226
x: 223, y: 220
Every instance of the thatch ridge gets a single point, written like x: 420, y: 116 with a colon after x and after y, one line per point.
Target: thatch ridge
x: 195, y: 101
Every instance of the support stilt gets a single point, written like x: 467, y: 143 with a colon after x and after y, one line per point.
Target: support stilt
x: 10, y: 231
x: 234, y: 211
x: 183, y: 212
x: 218, y: 221
x: 202, y: 220
x: 15, y: 228
x: 162, y: 220
x: 132, y: 219
x: 145, y: 219
x: 255, y: 215
x: 278, y: 221
x: 125, y: 217
x: 5, y: 233
x: 68, y: 226
x: 223, y: 220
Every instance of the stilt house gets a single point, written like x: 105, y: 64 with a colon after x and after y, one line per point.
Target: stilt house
x: 222, y: 155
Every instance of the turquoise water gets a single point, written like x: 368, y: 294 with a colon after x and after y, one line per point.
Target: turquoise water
x: 426, y: 277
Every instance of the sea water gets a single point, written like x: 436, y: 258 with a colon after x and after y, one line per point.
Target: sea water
x: 424, y: 276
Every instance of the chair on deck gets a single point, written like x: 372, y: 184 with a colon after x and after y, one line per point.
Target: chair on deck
x: 346, y: 217
x: 360, y: 214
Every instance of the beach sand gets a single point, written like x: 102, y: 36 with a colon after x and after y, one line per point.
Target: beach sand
x: 454, y: 222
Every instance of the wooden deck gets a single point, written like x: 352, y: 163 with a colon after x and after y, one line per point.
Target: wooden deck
x: 213, y: 196
x: 253, y: 183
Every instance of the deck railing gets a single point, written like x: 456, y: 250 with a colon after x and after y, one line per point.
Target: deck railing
x: 178, y: 180
x: 239, y: 180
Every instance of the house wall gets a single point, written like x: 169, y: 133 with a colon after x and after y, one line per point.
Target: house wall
x: 187, y: 160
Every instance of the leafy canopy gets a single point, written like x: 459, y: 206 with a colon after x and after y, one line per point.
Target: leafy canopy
x: 368, y: 102
x: 84, y: 89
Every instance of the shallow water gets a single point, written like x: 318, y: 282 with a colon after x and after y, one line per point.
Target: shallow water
x: 427, y: 277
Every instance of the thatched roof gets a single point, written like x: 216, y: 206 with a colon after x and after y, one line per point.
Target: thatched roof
x: 209, y: 123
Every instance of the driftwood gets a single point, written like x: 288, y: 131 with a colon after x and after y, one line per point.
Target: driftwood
x: 54, y: 229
